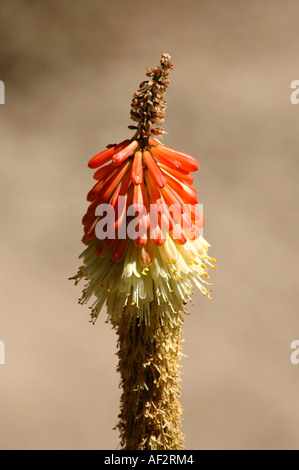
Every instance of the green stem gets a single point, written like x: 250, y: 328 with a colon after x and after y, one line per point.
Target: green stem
x: 150, y: 414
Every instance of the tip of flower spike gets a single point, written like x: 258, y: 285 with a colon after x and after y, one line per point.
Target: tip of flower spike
x: 149, y: 104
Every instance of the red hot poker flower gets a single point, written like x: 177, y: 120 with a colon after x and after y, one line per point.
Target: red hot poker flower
x: 144, y: 268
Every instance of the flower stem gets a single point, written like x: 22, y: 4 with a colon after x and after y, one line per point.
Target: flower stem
x: 150, y: 413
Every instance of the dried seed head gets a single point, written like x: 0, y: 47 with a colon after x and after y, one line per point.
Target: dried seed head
x: 149, y: 104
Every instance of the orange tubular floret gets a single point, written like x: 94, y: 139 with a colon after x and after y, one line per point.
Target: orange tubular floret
x: 193, y: 233
x: 109, y: 241
x: 161, y: 213
x: 104, y: 171
x: 141, y: 241
x: 195, y: 214
x: 182, y: 211
x: 123, y: 154
x: 153, y: 191
x: 137, y: 170
x: 187, y: 161
x: 171, y: 196
x: 200, y: 223
x: 143, y: 219
x: 182, y: 175
x: 138, y: 201
x: 119, y: 249
x: 157, y: 236
x: 85, y: 241
x: 146, y: 254
x: 182, y: 239
x: 105, y: 188
x: 91, y: 210
x: 120, y: 218
x: 89, y: 231
x: 177, y: 208
x: 159, y: 205
x: 196, y: 217
x: 98, y: 187
x: 170, y: 161
x: 104, y: 157
x: 87, y: 219
x: 186, y: 192
x: 130, y: 196
x: 156, y: 174
x: 101, y: 249
x: 146, y: 204
x: 121, y: 190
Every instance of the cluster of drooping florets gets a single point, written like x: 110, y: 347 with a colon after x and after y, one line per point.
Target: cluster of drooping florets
x: 167, y: 255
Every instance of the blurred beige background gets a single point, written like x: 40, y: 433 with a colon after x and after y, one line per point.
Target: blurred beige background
x: 70, y: 69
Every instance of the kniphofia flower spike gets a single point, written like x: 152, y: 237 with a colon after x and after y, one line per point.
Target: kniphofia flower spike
x: 148, y: 279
